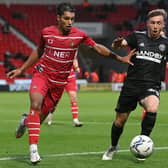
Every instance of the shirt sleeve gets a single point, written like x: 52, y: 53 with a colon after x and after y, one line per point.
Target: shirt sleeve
x: 131, y: 40
x: 88, y: 40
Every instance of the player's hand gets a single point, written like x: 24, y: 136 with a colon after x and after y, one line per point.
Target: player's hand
x: 127, y: 59
x: 77, y: 69
x: 117, y: 43
x: 14, y: 73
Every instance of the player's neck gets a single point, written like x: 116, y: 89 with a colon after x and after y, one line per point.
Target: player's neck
x: 154, y: 38
x: 62, y: 32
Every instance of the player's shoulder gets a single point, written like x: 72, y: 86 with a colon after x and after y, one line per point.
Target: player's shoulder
x: 164, y: 40
x: 164, y: 37
x: 141, y: 32
x: 137, y: 33
x: 49, y: 29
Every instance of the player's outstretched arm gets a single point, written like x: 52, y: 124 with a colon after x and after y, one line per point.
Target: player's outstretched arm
x: 33, y: 58
x: 101, y: 49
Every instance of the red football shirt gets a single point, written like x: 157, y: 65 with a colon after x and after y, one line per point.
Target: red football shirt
x: 60, y: 51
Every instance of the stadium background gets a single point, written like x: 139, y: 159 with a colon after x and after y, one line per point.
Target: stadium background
x: 62, y: 145
x: 104, y: 20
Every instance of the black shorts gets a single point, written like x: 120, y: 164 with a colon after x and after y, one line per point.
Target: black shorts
x: 132, y: 92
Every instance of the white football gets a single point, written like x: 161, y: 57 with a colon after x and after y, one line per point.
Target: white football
x: 141, y: 146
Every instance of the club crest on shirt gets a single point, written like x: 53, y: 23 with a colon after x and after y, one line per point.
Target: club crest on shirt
x: 72, y: 43
x: 162, y: 47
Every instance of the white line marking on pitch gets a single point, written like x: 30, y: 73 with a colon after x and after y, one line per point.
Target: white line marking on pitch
x: 71, y: 154
x: 89, y: 123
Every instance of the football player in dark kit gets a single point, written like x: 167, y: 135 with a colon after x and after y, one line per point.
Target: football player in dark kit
x: 143, y: 82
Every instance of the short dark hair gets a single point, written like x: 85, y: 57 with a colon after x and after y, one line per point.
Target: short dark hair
x: 62, y: 7
x: 157, y: 12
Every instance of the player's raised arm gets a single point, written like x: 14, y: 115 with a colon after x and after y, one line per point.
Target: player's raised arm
x: 33, y: 58
x: 101, y: 49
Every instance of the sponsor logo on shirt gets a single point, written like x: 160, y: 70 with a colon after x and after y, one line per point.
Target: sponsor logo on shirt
x: 149, y: 55
x: 59, y: 54
x: 72, y: 43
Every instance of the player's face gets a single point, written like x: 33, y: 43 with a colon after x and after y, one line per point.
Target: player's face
x: 66, y: 21
x: 155, y: 25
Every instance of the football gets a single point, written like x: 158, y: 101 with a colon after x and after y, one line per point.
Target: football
x: 141, y: 147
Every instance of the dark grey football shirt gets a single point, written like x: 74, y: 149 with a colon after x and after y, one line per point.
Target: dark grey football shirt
x: 149, y: 61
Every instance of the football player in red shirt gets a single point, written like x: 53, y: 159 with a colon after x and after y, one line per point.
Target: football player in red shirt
x: 53, y: 61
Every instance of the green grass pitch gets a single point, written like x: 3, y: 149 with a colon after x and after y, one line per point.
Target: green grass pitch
x: 63, y: 146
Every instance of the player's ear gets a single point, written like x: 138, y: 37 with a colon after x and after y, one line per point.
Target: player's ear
x: 58, y: 18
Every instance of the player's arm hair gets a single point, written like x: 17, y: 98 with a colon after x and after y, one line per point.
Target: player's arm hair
x: 33, y: 58
x: 101, y: 49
